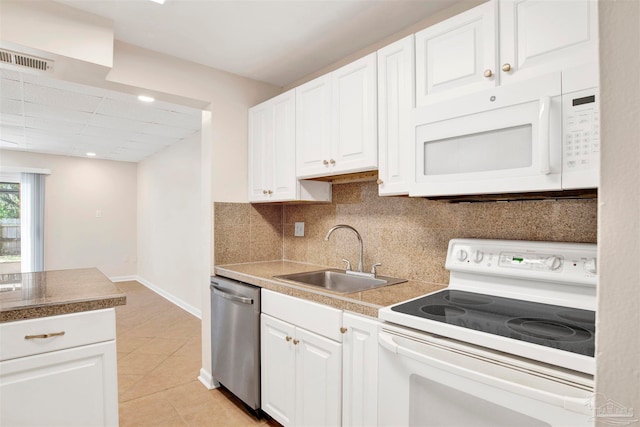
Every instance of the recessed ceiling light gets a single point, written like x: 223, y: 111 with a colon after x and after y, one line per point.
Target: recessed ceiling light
x: 145, y: 98
x: 90, y: 154
x: 158, y: 1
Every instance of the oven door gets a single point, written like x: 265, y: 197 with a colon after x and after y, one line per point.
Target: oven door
x: 423, y: 382
x: 503, y: 140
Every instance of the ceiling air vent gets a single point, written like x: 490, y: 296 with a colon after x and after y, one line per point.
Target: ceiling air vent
x: 26, y: 61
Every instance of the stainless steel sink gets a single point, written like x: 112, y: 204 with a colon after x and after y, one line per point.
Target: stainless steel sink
x: 339, y: 281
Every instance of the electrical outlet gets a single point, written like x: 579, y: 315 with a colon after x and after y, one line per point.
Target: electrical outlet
x: 298, y: 230
x: 98, y: 214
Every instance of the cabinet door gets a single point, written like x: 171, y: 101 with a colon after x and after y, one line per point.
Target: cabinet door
x: 318, y: 380
x: 355, y: 110
x: 539, y: 37
x: 395, y: 101
x: 360, y: 371
x: 260, y: 141
x: 278, y: 369
x: 453, y: 56
x: 313, y: 127
x: 73, y: 387
x: 283, y: 164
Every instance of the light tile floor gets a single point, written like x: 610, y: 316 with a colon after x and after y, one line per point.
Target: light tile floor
x: 159, y: 359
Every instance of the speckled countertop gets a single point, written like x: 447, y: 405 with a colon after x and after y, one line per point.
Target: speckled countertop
x: 51, y: 293
x: 365, y: 302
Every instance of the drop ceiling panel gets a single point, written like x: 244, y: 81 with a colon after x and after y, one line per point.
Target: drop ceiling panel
x: 121, y: 109
x: 53, y: 126
x: 63, y: 85
x: 42, y: 114
x: 56, y: 113
x: 10, y: 106
x: 11, y: 119
x: 58, y: 98
x: 11, y: 89
x: 124, y: 124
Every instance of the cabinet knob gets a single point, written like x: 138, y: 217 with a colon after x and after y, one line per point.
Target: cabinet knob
x: 269, y: 192
x: 488, y: 73
x: 379, y: 181
x: 264, y: 191
x: 287, y: 338
x: 324, y: 162
x: 343, y: 330
x: 506, y: 67
x: 333, y: 162
x: 295, y: 342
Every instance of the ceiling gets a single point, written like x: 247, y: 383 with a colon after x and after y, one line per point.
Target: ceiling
x: 275, y: 41
x: 46, y: 115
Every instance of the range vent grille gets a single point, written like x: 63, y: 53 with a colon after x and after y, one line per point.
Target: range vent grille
x: 27, y: 61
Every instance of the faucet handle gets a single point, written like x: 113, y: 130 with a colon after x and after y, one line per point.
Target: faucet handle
x: 373, y: 268
x: 348, y: 266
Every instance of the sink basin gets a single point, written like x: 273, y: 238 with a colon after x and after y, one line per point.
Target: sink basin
x: 339, y: 281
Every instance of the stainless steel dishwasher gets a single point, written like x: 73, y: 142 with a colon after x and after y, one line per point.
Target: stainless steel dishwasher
x: 235, y: 338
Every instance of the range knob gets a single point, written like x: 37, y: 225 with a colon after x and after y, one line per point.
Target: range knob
x: 462, y: 255
x: 591, y: 266
x: 553, y: 262
x: 477, y: 256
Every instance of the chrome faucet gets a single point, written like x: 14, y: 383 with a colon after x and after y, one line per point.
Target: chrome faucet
x: 348, y: 227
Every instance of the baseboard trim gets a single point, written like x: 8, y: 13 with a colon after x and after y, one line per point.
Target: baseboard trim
x: 206, y: 379
x: 171, y: 298
x: 123, y: 278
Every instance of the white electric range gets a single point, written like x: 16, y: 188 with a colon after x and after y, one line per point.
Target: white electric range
x: 513, y: 334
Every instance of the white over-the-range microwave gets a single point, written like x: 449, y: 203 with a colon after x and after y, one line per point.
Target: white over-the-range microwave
x: 540, y: 135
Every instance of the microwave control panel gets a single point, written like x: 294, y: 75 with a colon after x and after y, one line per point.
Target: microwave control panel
x: 581, y: 141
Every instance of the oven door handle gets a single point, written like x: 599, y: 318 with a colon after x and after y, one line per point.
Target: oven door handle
x: 573, y: 404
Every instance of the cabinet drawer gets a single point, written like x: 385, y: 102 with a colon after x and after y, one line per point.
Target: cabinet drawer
x: 318, y: 318
x: 79, y: 329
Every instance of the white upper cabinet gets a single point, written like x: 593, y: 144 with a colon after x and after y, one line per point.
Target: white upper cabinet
x: 500, y: 42
x: 272, y: 145
x: 457, y: 56
x: 539, y: 37
x: 396, y: 78
x: 355, y: 114
x: 313, y: 127
x: 336, y: 121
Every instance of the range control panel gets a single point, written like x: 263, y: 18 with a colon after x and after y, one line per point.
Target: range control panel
x: 554, y: 261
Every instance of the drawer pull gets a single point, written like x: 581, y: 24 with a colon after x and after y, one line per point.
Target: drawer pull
x: 52, y: 334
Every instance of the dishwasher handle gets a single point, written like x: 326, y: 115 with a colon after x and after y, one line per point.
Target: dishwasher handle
x: 222, y: 293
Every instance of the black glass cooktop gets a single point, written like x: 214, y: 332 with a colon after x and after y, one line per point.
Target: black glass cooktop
x: 564, y: 328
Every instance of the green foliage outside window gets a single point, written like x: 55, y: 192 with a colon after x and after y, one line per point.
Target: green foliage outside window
x: 9, y: 200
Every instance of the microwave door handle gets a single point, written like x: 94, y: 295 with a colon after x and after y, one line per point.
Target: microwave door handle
x: 544, y: 140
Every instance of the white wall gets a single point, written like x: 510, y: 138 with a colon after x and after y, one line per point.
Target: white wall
x: 227, y: 98
x: 618, y: 313
x: 169, y: 233
x: 77, y: 188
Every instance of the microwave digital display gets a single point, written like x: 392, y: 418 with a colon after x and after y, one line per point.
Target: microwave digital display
x: 584, y: 100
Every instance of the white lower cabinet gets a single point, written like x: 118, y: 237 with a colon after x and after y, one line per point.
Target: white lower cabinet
x: 359, y: 371
x: 319, y: 365
x: 65, y: 379
x: 301, y: 374
x: 301, y: 354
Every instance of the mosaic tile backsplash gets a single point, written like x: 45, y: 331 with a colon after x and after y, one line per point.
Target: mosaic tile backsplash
x: 409, y: 236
